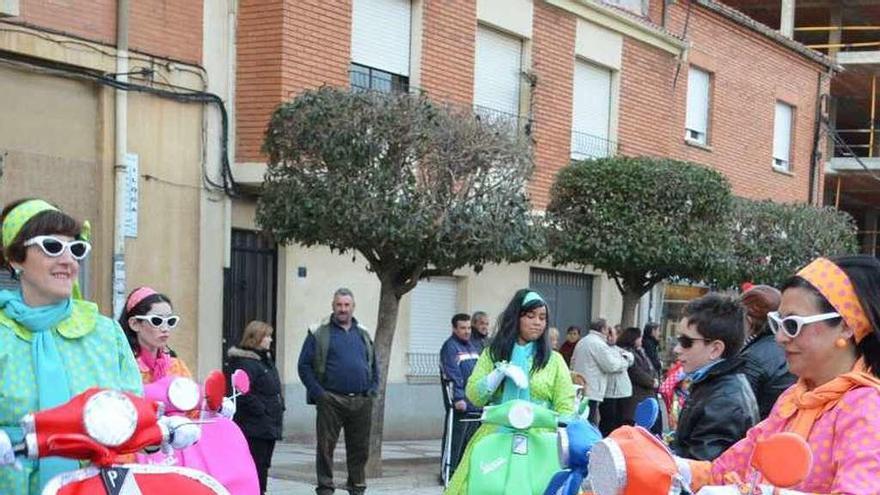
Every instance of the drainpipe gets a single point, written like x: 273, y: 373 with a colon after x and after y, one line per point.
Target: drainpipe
x: 121, y: 148
x: 817, y: 155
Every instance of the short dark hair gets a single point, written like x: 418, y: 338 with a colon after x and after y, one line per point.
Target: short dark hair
x: 716, y: 317
x: 598, y: 324
x: 628, y: 337
x: 460, y: 317
x: 49, y: 222
x: 573, y: 328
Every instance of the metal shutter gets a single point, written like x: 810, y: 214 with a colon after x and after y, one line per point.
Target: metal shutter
x: 591, y: 112
x: 698, y: 103
x: 380, y: 34
x: 782, y: 135
x: 497, y: 71
x: 432, y: 305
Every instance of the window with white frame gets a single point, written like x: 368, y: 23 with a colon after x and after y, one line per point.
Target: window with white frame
x: 591, y: 112
x: 697, y: 120
x: 497, y: 74
x: 782, y: 124
x: 433, y: 303
x: 380, y: 45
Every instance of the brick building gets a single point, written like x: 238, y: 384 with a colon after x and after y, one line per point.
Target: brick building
x: 694, y: 80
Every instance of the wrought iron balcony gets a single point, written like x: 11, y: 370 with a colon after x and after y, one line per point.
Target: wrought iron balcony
x: 516, y: 124
x: 584, y: 146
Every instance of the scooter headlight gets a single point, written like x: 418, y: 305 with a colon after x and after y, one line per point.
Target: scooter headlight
x: 110, y: 418
x: 184, y: 394
x: 521, y: 416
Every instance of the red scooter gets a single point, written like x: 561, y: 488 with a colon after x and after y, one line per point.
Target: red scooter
x: 99, y: 426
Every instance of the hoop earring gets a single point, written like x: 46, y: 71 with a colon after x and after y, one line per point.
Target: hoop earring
x: 840, y: 343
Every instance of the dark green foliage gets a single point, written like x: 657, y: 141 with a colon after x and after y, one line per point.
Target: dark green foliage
x: 641, y: 220
x: 415, y: 187
x: 770, y: 241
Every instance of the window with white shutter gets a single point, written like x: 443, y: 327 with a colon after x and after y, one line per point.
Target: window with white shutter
x: 782, y: 136
x: 380, y: 44
x: 591, y: 112
x: 497, y: 73
x: 697, y: 121
x: 433, y: 303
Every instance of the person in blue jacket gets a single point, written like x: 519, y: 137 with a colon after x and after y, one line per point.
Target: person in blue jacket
x: 458, y: 356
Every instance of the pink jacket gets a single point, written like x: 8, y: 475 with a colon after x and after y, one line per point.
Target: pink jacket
x: 845, y: 443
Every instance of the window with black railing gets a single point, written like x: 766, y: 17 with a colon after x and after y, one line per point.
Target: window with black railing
x: 365, y: 78
x: 584, y: 146
x: 516, y: 124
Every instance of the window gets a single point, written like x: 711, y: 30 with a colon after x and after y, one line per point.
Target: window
x: 697, y: 121
x: 380, y: 45
x: 634, y: 6
x: 591, y: 112
x: 432, y: 304
x: 497, y: 74
x: 782, y: 136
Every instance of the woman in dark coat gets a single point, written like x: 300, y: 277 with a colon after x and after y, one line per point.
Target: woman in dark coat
x: 259, y: 413
x: 651, y: 345
x: 641, y: 374
x: 766, y: 369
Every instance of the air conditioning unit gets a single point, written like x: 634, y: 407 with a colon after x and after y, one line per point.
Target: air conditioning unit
x: 9, y: 8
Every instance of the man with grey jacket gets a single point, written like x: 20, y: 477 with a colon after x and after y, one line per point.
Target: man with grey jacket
x: 597, y: 361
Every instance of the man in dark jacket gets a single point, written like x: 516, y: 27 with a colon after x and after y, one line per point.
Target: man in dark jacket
x: 338, y: 367
x: 480, y: 330
x: 720, y: 407
x: 765, y: 369
x: 458, y: 356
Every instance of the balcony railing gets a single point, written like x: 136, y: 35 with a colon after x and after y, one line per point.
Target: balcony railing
x: 514, y: 123
x: 856, y: 143
x: 584, y: 146
x: 423, y: 367
x: 363, y: 78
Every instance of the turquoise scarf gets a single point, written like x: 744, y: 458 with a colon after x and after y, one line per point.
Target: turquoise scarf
x: 52, y: 384
x: 521, y: 356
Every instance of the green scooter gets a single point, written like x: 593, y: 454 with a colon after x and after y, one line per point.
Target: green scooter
x: 521, y: 456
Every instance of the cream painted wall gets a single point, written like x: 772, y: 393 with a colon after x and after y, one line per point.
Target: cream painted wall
x: 513, y: 16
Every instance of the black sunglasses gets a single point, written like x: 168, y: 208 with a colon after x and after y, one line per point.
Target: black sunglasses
x: 687, y: 342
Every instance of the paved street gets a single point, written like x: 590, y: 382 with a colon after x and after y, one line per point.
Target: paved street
x: 409, y: 468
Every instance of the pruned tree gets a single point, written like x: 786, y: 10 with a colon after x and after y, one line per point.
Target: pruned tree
x: 640, y: 220
x: 770, y: 241
x: 417, y: 188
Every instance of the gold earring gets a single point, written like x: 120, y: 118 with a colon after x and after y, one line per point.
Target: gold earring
x: 840, y: 343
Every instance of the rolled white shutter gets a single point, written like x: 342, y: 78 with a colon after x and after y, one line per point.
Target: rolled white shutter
x: 380, y: 34
x: 432, y: 305
x: 782, y: 133
x: 497, y: 71
x: 698, y: 100
x: 591, y: 111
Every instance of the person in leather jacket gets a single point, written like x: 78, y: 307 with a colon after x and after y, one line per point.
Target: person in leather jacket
x: 765, y: 369
x: 721, y: 406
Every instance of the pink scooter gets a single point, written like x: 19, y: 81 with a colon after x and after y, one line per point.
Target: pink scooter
x: 222, y: 451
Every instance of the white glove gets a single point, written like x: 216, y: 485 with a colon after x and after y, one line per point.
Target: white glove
x: 7, y: 455
x: 227, y: 410
x: 181, y: 431
x: 516, y: 374
x: 493, y: 380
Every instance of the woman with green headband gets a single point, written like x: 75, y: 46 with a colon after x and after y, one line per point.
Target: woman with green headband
x: 52, y: 345
x: 518, y: 364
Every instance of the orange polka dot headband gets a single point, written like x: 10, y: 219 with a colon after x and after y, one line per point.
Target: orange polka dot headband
x: 835, y: 285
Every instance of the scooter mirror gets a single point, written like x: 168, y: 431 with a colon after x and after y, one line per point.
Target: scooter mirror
x: 215, y: 389
x: 646, y: 413
x: 241, y: 383
x: 784, y: 459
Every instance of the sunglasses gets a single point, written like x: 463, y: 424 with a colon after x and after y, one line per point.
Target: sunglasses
x: 687, y: 342
x: 160, y: 321
x: 792, y: 325
x: 54, y: 247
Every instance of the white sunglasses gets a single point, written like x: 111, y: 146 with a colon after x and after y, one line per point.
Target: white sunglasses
x: 54, y: 247
x: 792, y: 325
x: 160, y: 321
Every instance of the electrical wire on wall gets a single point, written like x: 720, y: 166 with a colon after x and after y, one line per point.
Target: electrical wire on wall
x: 176, y: 93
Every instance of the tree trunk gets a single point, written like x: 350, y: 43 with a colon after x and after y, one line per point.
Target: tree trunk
x: 389, y: 304
x: 630, y: 303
